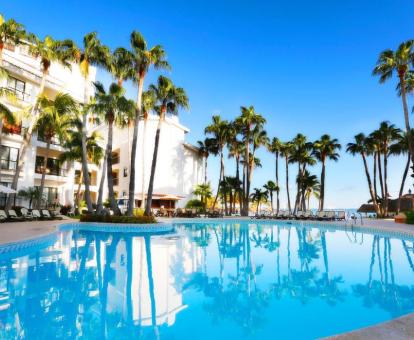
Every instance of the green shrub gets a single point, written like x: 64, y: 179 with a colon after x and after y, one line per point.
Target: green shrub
x: 138, y: 212
x: 194, y: 203
x: 118, y: 219
x: 410, y: 217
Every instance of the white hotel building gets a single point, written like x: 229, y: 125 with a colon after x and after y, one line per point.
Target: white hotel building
x: 179, y: 166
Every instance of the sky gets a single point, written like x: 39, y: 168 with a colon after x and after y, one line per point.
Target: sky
x: 304, y: 65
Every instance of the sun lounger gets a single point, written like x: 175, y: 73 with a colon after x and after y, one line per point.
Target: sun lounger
x: 13, y: 216
x: 3, y: 216
x: 56, y: 215
x: 36, y: 214
x: 46, y: 214
x: 341, y: 216
x: 26, y: 214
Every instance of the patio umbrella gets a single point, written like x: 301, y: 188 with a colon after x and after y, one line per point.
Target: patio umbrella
x: 6, y: 190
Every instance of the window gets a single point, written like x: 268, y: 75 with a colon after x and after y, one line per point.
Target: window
x: 50, y: 195
x: 53, y: 166
x: 115, y: 157
x: 125, y: 172
x: 8, y: 157
x: 18, y: 87
x: 3, y: 197
x: 115, y: 178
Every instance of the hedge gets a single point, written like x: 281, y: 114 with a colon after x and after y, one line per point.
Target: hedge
x: 410, y: 217
x: 118, y: 219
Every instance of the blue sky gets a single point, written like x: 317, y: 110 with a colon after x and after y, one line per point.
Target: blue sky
x: 306, y: 66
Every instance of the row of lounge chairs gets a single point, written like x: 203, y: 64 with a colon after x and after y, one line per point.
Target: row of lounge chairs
x: 26, y: 215
x: 324, y: 215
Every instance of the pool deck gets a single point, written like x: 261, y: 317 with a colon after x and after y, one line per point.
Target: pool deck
x: 401, y: 328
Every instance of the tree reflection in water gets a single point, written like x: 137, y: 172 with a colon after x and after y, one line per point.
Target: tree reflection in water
x: 104, y: 285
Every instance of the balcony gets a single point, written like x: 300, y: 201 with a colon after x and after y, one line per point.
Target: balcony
x: 14, y: 129
x: 115, y: 158
x: 54, y: 141
x: 52, y: 171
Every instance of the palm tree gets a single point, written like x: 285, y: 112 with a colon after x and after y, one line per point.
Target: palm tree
x: 73, y: 153
x: 387, y: 134
x: 31, y: 194
x: 53, y: 122
x: 286, y: 152
x: 325, y: 149
x: 220, y: 130
x: 121, y: 65
x: 259, y: 138
x: 309, y: 185
x: 398, y: 61
x: 116, y: 110
x: 275, y: 147
x: 258, y: 196
x: 397, y: 149
x: 204, y: 191
x: 302, y: 155
x: 271, y: 187
x: 92, y: 53
x: 143, y: 59
x: 359, y: 146
x: 47, y: 51
x: 236, y: 150
x: 207, y: 147
x: 247, y: 121
x: 169, y: 99
x: 148, y: 105
x: 11, y: 32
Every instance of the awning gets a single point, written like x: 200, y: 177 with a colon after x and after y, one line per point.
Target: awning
x: 6, y: 190
x: 170, y: 197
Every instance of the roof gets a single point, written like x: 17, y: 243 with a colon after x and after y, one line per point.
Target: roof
x: 192, y: 147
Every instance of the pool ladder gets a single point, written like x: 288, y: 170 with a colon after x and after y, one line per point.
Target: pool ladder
x: 354, y: 218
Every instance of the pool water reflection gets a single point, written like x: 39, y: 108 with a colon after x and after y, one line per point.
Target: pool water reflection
x: 206, y: 281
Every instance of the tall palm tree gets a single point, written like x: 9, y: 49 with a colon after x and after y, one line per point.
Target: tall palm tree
x: 169, y: 99
x: 390, y: 62
x: 271, y: 187
x: 259, y: 138
x: 286, y: 152
x: 325, y: 149
x: 116, y: 110
x: 11, y: 32
x: 144, y: 58
x: 275, y: 147
x: 359, y: 146
x: 397, y: 149
x: 220, y: 130
x: 47, y: 51
x: 92, y: 53
x: 148, y: 105
x: 247, y: 121
x: 53, y: 122
x: 204, y: 191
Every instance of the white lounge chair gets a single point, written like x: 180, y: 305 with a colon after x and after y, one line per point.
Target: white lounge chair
x: 26, y: 214
x: 13, y: 216
x: 3, y: 216
x: 36, y: 214
x: 46, y: 214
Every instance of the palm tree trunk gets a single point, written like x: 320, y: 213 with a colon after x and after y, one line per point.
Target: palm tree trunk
x: 381, y: 180
x: 375, y: 174
x: 221, y: 177
x: 153, y: 166
x: 322, y: 194
x: 86, y: 179
x: 78, y: 193
x: 406, y: 115
x: 205, y: 169
x: 150, y: 279
x: 143, y: 165
x: 26, y: 142
x: 277, y: 183
x: 386, y: 180
x: 131, y: 197
x: 42, y: 181
x: 99, y: 206
x: 1, y: 133
x: 407, y: 166
x: 287, y: 184
x: 297, y: 200
x: 371, y: 190
x: 111, y: 194
x: 247, y: 160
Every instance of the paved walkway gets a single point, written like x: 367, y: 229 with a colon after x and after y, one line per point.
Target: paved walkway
x: 22, y: 231
x: 401, y: 328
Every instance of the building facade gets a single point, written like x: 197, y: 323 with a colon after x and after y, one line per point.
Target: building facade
x: 179, y: 166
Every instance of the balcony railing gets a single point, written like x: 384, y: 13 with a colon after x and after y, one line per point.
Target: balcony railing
x: 21, y: 95
x: 7, y: 164
x: 52, y: 171
x: 115, y: 158
x: 54, y: 141
x: 14, y: 129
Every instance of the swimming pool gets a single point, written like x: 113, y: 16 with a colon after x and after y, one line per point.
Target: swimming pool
x: 212, y: 280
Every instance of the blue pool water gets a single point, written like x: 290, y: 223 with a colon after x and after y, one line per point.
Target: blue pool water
x: 216, y: 280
